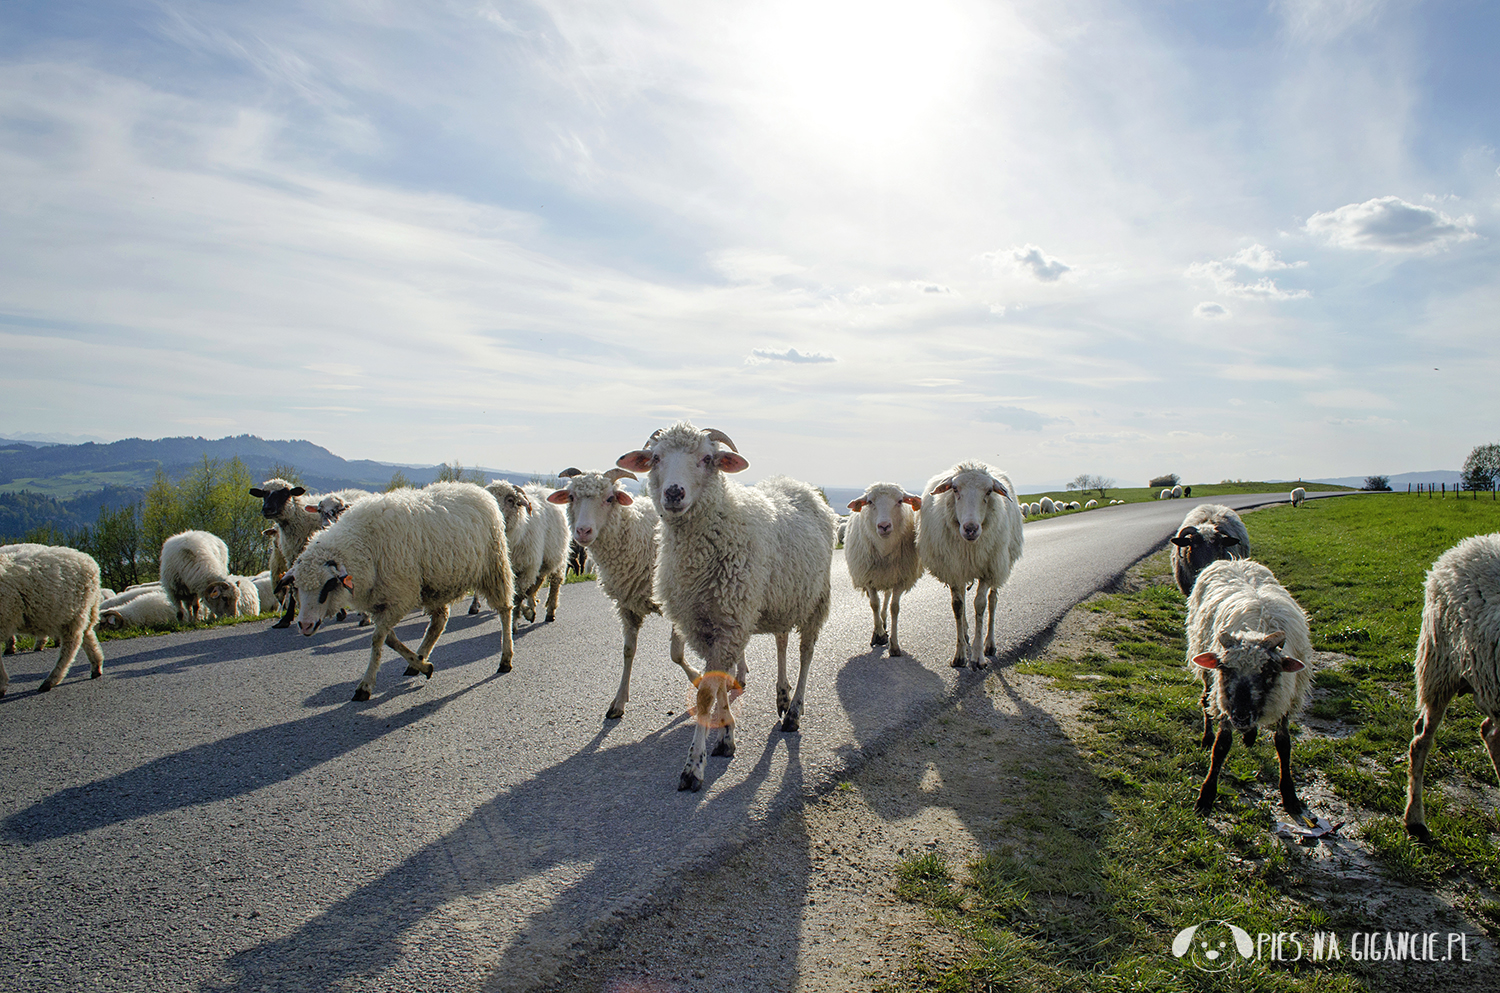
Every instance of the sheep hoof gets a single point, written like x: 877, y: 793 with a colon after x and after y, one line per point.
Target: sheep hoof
x: 1204, y: 807
x: 339, y: 617
x: 959, y: 662
x: 96, y: 675
x: 1420, y: 832
x: 364, y: 620
x: 791, y: 722
x: 724, y: 747
x: 614, y: 713
x: 361, y: 694
x: 990, y: 650
x: 412, y: 670
x: 876, y: 640
x: 689, y: 781
x: 281, y: 624
x: 896, y: 651
x: 46, y: 686
x: 473, y: 608
x: 504, y: 665
x: 551, y: 618
x: 978, y: 664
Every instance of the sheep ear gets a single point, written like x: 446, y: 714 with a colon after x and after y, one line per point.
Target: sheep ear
x: 857, y: 504
x: 914, y: 501
x: 560, y: 496
x: 997, y: 488
x: 638, y: 461
x: 730, y: 462
x: 297, y: 491
x: 943, y: 487
x: 1290, y: 664
x: 257, y: 492
x: 1227, y: 539
x: 1208, y: 660
x: 347, y: 581
x: 623, y: 499
x: 311, y: 510
x: 570, y: 472
x: 1184, y: 538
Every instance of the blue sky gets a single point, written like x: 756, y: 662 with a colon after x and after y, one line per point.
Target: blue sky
x: 866, y: 239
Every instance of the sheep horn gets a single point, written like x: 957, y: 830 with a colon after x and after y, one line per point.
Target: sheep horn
x: 714, y: 434
x: 652, y: 440
x: 570, y: 472
x: 615, y: 475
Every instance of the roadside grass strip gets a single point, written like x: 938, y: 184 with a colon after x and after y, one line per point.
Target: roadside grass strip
x: 1096, y: 880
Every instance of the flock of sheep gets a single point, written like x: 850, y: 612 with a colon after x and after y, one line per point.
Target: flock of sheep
x: 722, y: 562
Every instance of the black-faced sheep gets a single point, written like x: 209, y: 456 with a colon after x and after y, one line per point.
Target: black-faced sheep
x: 1458, y: 651
x: 1209, y: 532
x: 734, y: 562
x: 880, y: 550
x: 286, y: 506
x: 970, y: 529
x: 51, y: 591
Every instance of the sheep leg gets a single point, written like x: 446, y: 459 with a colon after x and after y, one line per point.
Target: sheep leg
x: 692, y: 773
x: 95, y: 654
x: 895, y: 613
x: 383, y: 635
x: 528, y: 598
x: 1289, y: 800
x: 725, y: 746
x: 878, y: 638
x: 960, y: 656
x: 805, y: 641
x: 981, y: 598
x: 4, y: 677
x: 1424, y: 733
x: 10, y: 646
x: 554, y: 590
x: 677, y: 648
x: 287, y: 615
x: 474, y: 605
x: 437, y: 623
x: 1489, y: 731
x: 631, y: 622
x: 989, y: 638
x: 507, y: 640
x: 1208, y: 722
x: 783, y: 687
x: 68, y: 642
x: 1210, y: 790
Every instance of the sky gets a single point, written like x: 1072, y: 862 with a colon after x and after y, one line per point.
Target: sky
x: 867, y: 239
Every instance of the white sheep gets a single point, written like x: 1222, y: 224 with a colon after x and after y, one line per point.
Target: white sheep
x: 619, y: 533
x: 149, y: 608
x: 395, y: 552
x: 331, y: 505
x: 194, y: 570
x: 1075, y: 506
x: 1177, y: 492
x: 130, y: 594
x: 734, y: 561
x: 969, y: 529
x: 537, y: 533
x: 246, y: 602
x: 1297, y: 496
x: 1458, y: 651
x: 881, y: 553
x: 286, y: 507
x: 1091, y: 505
x: 1164, y: 495
x: 1248, y: 641
x: 265, y: 588
x: 1048, y: 506
x: 51, y: 591
x: 1209, y: 532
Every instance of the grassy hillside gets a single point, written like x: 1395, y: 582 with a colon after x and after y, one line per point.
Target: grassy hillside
x: 1200, y: 490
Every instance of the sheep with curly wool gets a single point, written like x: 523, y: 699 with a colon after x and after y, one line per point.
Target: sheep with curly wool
x: 734, y: 561
x: 50, y: 591
x: 619, y: 532
x: 392, y: 553
x: 195, y: 573
x: 1458, y: 651
x: 331, y: 505
x: 880, y: 551
x: 1209, y: 532
x: 970, y: 529
x: 537, y: 532
x: 1248, y: 641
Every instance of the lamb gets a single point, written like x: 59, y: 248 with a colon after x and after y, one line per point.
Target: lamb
x: 537, y: 533
x: 286, y: 507
x: 195, y: 568
x: 1297, y: 496
x: 619, y: 532
x: 1209, y: 532
x: 51, y: 591
x: 151, y: 608
x: 881, y: 553
x: 969, y: 529
x: 1458, y: 651
x: 1248, y: 641
x: 734, y: 561
x: 394, y: 552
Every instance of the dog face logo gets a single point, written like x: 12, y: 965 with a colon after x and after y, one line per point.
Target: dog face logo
x: 1214, y: 946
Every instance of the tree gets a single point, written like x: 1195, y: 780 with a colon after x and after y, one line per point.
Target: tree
x: 1382, y: 483
x: 1087, y: 482
x: 1482, y: 468
x: 399, y: 481
x: 115, y: 543
x: 454, y: 472
x: 1170, y: 479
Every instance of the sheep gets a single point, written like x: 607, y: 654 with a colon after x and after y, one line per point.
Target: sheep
x: 1248, y: 641
x: 734, y: 561
x: 537, y: 533
x: 1048, y: 507
x: 286, y: 507
x: 1091, y: 505
x: 881, y: 553
x: 1458, y: 651
x: 969, y: 529
x: 48, y: 590
x: 1177, y: 492
x: 394, y: 552
x: 1297, y: 496
x: 195, y: 568
x: 246, y: 602
x: 265, y: 588
x: 151, y: 608
x: 1075, y: 506
x: 128, y: 595
x: 1164, y: 495
x: 578, y: 558
x: 619, y: 532
x: 331, y: 505
x: 1209, y: 532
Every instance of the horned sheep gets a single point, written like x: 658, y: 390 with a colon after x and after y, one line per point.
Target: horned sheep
x: 1209, y: 532
x: 1248, y: 641
x: 881, y: 553
x: 969, y: 529
x: 394, y: 552
x: 619, y: 532
x: 734, y: 561
x: 1458, y: 651
x: 51, y: 591
x: 195, y: 573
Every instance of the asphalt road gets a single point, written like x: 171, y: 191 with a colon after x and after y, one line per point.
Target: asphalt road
x: 214, y: 814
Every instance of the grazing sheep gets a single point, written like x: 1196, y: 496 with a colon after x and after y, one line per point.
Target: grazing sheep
x: 394, y: 552
x: 1177, y: 492
x: 1297, y: 496
x: 51, y: 591
x: 618, y: 532
x: 1075, y: 506
x: 734, y: 561
x: 881, y: 553
x: 1091, y: 505
x: 1187, y: 491
x: 246, y: 602
x: 195, y: 568
x: 286, y: 507
x: 969, y: 529
x: 1048, y: 507
x: 265, y: 589
x: 537, y: 533
x: 1164, y: 495
x: 150, y: 608
x: 1248, y: 641
x: 1209, y: 532
x: 1458, y: 651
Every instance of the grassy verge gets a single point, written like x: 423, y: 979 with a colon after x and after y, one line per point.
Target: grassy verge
x: 1103, y: 880
x: 1140, y: 494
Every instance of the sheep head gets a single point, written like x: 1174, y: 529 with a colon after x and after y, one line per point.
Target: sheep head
x: 1248, y: 666
x: 682, y: 462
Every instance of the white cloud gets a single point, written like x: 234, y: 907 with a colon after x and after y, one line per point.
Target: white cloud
x: 1031, y: 260
x: 1210, y: 311
x: 1262, y: 259
x: 1390, y: 224
x: 758, y: 355
x: 1020, y: 418
x: 1226, y: 280
x: 1323, y: 20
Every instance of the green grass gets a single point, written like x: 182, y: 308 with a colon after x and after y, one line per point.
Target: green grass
x: 1140, y: 494
x: 1095, y: 888
x: 72, y: 484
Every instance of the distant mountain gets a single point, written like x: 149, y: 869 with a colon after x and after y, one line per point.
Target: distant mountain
x: 53, y: 438
x: 1399, y: 481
